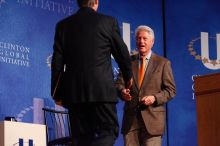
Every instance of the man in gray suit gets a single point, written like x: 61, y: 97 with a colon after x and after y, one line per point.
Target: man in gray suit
x: 82, y: 77
x: 144, y: 112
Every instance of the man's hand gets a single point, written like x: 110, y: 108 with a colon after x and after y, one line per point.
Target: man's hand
x: 126, y: 94
x: 148, y: 100
x: 59, y: 102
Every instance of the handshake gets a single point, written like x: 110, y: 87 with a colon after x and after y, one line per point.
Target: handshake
x: 126, y: 91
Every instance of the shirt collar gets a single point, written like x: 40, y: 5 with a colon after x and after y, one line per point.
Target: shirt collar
x: 148, y: 55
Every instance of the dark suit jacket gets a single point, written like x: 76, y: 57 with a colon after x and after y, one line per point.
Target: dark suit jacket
x: 158, y: 81
x: 81, y: 62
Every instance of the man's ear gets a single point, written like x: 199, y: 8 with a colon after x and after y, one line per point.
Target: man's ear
x: 96, y: 5
x: 96, y: 2
x: 152, y: 41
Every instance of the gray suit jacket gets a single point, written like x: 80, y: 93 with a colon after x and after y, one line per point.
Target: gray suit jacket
x: 158, y: 81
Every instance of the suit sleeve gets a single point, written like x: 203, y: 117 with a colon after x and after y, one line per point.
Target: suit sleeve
x: 120, y: 53
x: 57, y: 61
x: 120, y: 84
x: 168, y: 90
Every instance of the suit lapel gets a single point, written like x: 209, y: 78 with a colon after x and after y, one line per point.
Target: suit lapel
x: 150, y: 69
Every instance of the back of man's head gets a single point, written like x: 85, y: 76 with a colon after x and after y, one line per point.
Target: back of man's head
x: 86, y: 3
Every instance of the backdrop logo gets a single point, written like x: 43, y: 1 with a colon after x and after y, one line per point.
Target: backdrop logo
x: 48, y: 61
x: 204, y: 57
x: 50, y: 5
x: 193, y: 89
x: 14, y: 54
x: 21, y: 142
x: 2, y: 2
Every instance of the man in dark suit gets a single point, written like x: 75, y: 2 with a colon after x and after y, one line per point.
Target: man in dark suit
x: 144, y: 112
x: 82, y: 76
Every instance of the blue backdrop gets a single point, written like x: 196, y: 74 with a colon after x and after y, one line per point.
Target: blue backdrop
x: 26, y: 40
x: 187, y: 25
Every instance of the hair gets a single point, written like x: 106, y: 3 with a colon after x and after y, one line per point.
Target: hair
x: 144, y: 28
x: 85, y: 3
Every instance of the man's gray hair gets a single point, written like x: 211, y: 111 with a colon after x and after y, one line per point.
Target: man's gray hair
x: 144, y: 28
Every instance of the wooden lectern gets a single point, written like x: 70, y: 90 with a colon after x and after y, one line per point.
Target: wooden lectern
x: 207, y: 91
